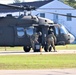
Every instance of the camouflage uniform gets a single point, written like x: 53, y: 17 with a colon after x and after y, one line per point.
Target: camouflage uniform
x: 34, y: 39
x: 51, y: 40
x: 40, y: 37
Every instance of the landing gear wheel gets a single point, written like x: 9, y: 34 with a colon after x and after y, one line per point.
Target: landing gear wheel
x: 50, y: 49
x: 45, y: 48
x: 26, y: 49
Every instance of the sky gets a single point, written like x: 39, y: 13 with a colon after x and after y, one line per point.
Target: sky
x: 11, y: 1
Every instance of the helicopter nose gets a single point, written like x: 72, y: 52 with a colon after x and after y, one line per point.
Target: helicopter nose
x: 72, y: 38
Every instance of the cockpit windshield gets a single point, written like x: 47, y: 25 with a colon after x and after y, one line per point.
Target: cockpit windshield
x: 63, y: 30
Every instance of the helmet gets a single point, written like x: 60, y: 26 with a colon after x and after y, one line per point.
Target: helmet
x: 40, y: 33
x: 51, y: 29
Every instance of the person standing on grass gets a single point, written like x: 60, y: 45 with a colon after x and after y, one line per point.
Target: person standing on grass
x: 51, y: 39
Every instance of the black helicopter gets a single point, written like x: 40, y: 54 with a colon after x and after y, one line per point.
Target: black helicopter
x: 18, y: 31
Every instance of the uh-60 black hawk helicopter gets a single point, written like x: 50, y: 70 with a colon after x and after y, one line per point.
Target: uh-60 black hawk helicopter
x: 18, y: 31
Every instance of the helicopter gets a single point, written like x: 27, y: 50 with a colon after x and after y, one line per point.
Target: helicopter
x: 18, y: 31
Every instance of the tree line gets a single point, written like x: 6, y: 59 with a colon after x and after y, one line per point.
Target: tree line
x: 70, y: 2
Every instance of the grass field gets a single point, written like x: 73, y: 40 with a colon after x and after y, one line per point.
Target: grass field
x: 47, y: 61
x: 38, y: 61
x: 66, y: 47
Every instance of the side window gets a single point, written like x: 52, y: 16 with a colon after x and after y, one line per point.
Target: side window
x: 55, y: 18
x: 68, y: 17
x: 57, y: 30
x: 42, y: 14
x: 29, y: 31
x: 62, y: 31
x: 20, y: 32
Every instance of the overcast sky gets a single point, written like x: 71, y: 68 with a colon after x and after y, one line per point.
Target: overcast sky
x: 11, y: 1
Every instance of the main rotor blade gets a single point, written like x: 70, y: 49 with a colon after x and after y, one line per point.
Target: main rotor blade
x: 57, y: 9
x: 11, y: 6
x: 28, y: 8
x: 57, y: 14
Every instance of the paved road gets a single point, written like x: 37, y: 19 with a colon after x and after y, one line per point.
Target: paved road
x: 31, y: 52
x: 39, y: 72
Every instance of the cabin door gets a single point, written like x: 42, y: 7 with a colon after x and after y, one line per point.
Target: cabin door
x: 6, y: 36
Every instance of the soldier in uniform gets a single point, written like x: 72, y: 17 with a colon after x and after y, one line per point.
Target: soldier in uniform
x: 34, y: 39
x: 51, y: 39
x: 40, y: 37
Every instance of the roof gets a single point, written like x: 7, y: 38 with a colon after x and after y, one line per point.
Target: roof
x: 37, y: 4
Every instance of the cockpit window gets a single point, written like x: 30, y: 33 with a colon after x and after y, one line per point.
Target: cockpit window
x: 63, y: 30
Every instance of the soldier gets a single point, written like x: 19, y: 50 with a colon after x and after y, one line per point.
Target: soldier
x: 34, y: 39
x: 51, y: 39
x: 40, y: 37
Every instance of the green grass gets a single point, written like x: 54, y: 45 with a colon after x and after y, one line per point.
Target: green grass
x: 66, y: 47
x: 47, y: 61
x: 11, y: 48
x: 60, y: 47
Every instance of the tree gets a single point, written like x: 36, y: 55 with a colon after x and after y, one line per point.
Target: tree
x: 70, y: 2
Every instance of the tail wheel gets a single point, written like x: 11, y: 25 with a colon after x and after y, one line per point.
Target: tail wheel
x: 26, y: 49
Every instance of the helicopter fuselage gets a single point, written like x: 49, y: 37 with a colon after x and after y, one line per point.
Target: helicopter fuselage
x: 18, y: 31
